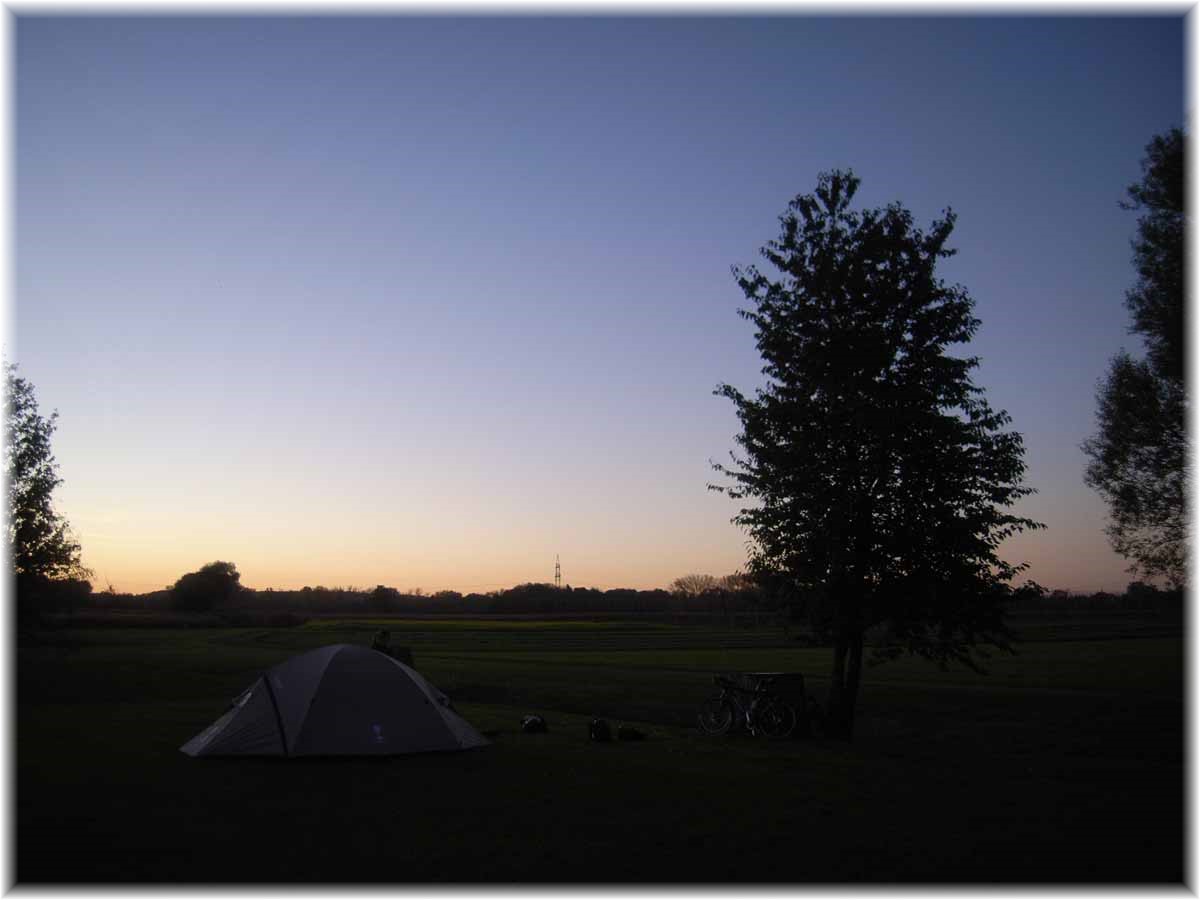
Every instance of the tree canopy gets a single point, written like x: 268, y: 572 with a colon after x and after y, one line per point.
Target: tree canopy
x: 694, y: 584
x: 1138, y: 457
x: 876, y: 475
x: 41, y: 545
x: 214, y: 585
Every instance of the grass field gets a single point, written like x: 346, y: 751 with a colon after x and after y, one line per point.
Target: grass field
x: 1064, y: 765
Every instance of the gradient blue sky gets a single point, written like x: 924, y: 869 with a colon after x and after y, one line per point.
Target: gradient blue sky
x: 425, y: 302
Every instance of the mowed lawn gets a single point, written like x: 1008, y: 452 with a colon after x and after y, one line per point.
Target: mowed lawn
x: 1064, y: 764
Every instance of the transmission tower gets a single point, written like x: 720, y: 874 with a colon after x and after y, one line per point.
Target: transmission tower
x: 557, y: 572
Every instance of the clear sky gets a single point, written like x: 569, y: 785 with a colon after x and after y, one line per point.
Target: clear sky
x: 424, y: 302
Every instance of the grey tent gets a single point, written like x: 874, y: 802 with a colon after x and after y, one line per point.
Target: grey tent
x: 337, y: 700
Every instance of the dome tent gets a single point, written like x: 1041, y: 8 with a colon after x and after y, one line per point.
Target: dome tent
x: 337, y: 700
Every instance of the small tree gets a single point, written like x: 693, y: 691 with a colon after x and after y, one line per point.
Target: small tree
x: 214, y: 585
x: 694, y: 585
x: 737, y: 582
x: 45, y: 556
x: 383, y: 599
x: 1139, y: 455
x: 877, y: 474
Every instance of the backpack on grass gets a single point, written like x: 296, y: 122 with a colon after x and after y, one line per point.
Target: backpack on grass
x: 533, y: 724
x: 629, y: 733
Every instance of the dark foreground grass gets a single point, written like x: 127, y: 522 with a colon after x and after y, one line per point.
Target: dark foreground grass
x: 1065, y: 765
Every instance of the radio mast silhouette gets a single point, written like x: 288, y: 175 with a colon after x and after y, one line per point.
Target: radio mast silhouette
x: 557, y: 572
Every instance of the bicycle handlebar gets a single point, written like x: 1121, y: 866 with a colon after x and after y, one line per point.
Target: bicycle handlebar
x: 762, y: 685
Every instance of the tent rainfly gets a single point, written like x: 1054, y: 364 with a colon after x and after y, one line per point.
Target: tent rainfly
x: 337, y: 700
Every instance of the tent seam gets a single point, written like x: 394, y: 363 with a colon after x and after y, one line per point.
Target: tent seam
x: 266, y: 677
x: 317, y: 686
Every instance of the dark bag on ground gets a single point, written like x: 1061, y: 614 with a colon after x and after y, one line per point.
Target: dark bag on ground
x: 629, y: 733
x: 598, y: 730
x: 533, y: 724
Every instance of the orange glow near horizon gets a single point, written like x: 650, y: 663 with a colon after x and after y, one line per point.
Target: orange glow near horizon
x: 449, y: 520
x: 133, y: 562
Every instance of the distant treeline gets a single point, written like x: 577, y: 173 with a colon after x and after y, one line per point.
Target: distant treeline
x: 522, y: 599
x: 216, y: 588
x: 1138, y: 595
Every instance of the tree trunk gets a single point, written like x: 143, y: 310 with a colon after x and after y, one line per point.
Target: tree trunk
x: 853, y: 675
x: 843, y: 683
x: 837, y: 687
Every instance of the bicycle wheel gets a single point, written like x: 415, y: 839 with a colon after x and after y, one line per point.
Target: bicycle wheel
x: 776, y: 719
x: 716, y: 716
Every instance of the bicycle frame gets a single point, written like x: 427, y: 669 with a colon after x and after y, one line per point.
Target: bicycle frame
x: 757, y: 709
x: 744, y: 711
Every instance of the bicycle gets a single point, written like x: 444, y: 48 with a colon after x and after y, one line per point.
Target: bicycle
x: 764, y: 714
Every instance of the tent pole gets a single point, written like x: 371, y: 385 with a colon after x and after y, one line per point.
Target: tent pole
x: 278, y: 718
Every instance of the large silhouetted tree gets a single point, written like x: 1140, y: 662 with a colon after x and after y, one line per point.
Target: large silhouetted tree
x: 43, y: 552
x: 1139, y: 455
x: 214, y: 585
x: 877, y: 476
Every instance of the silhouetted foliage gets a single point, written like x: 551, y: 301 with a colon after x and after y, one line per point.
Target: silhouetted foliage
x: 1138, y: 596
x: 875, y: 471
x: 1139, y: 455
x: 384, y: 599
x: 57, y: 594
x: 40, y: 542
x: 771, y: 599
x: 214, y: 586
x: 45, y: 556
x: 1156, y: 302
x: 694, y: 585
